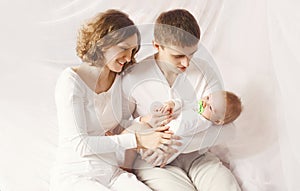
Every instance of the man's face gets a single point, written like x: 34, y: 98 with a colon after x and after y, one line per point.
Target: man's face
x: 176, y: 57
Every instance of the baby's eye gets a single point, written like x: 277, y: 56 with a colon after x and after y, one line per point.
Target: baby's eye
x: 210, y: 108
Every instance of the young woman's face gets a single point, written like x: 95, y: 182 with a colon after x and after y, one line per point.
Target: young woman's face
x: 214, y: 106
x: 116, y: 56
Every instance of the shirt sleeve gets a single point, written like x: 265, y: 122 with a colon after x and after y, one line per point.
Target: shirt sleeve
x: 207, y: 78
x: 128, y: 106
x: 189, y: 123
x: 70, y: 99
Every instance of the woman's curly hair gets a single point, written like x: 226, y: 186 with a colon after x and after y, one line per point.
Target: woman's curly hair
x: 103, y: 31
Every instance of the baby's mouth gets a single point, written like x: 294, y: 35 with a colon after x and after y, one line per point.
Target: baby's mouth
x: 200, y: 108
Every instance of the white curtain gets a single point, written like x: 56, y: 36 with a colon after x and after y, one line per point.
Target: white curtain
x: 255, y: 48
x: 254, y: 43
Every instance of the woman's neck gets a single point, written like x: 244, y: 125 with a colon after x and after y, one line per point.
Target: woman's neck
x: 99, y: 79
x: 105, y: 80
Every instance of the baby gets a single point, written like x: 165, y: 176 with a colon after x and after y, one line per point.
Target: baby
x: 221, y: 107
x: 218, y: 108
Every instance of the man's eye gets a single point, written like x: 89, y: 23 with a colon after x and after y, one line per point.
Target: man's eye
x: 178, y: 56
x: 124, y: 48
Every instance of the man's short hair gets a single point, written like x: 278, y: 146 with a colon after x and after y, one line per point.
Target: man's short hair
x: 177, y: 27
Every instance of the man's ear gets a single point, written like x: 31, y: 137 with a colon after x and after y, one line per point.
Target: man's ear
x: 155, y: 45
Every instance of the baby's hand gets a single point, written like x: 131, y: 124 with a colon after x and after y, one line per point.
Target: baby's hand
x: 161, y: 114
x: 167, y: 108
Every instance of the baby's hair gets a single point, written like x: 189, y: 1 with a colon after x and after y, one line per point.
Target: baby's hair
x: 233, y: 107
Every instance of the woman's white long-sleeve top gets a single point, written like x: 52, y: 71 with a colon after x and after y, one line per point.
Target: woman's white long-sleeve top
x: 83, y: 119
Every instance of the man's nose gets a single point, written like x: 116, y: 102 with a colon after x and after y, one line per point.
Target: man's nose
x: 185, y: 62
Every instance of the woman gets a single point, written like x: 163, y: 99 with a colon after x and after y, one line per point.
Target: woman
x: 87, y: 99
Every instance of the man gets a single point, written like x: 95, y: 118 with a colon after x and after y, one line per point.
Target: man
x: 171, y: 73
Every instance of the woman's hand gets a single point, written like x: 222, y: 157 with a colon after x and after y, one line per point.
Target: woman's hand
x: 154, y: 139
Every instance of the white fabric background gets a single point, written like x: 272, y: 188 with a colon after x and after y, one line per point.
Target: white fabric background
x: 255, y: 45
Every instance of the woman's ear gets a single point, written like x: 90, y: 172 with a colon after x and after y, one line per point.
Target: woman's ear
x: 103, y: 49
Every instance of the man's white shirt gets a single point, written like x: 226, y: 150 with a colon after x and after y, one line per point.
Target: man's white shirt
x: 144, y: 84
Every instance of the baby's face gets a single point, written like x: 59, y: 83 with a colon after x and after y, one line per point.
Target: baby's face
x: 214, y: 106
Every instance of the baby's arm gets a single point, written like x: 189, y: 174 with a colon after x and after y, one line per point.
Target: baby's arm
x: 161, y: 114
